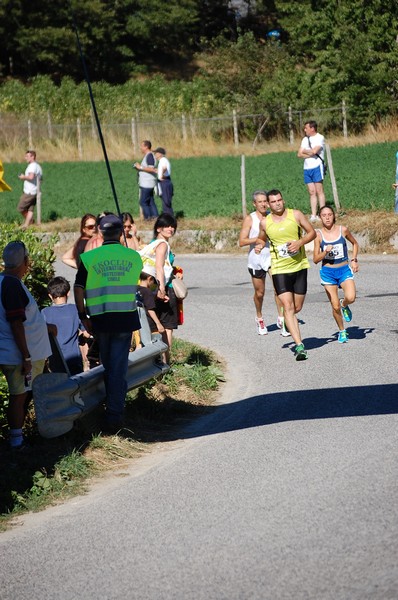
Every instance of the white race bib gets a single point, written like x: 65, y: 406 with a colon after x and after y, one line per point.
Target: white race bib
x: 336, y: 252
x: 283, y: 251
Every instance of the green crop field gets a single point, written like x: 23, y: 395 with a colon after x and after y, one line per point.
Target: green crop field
x: 209, y: 186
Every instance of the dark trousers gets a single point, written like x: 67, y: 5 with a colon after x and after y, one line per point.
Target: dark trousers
x: 167, y: 190
x: 147, y: 203
x: 114, y: 352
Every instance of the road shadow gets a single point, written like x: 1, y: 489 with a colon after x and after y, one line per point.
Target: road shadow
x: 329, y: 403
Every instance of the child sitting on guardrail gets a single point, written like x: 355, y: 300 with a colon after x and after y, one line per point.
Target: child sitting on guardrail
x: 68, y: 325
x: 147, y: 297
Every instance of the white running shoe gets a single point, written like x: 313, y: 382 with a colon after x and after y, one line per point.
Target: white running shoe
x: 284, y: 331
x: 261, y: 328
x: 281, y: 325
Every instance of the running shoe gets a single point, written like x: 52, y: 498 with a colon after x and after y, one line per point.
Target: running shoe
x: 261, y: 328
x: 347, y: 314
x: 343, y: 337
x: 279, y: 322
x: 284, y: 330
x: 301, y: 352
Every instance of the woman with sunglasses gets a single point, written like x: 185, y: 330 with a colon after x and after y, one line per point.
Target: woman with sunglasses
x: 88, y: 228
x: 129, y: 235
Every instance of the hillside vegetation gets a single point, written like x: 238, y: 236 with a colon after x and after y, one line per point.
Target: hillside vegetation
x: 203, y: 58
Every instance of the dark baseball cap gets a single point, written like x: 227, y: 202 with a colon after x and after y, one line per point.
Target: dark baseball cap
x: 110, y: 223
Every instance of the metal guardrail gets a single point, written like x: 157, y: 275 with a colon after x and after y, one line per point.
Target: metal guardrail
x: 60, y: 398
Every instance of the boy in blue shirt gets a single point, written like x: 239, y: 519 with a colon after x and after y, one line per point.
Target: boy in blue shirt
x: 65, y: 316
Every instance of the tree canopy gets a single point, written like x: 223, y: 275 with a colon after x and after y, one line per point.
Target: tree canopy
x: 255, y: 54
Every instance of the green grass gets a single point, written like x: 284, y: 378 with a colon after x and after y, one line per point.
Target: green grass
x: 210, y: 186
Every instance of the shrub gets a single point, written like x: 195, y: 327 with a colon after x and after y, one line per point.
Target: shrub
x: 41, y: 255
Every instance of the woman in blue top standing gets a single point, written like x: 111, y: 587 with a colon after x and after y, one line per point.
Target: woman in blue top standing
x: 337, y: 269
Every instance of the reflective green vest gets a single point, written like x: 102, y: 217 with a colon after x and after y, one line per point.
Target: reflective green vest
x: 112, y: 276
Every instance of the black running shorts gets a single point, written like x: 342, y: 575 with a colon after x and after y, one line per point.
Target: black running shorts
x: 296, y: 283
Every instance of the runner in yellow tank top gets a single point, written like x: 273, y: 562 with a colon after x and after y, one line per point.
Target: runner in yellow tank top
x: 283, y: 228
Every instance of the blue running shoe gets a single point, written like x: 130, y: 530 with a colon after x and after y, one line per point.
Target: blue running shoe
x: 347, y: 314
x: 343, y: 337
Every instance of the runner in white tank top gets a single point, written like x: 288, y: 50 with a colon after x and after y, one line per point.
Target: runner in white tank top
x: 259, y: 264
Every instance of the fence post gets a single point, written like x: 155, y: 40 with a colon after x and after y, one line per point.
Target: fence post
x: 137, y: 127
x: 235, y: 122
x: 291, y: 133
x: 93, y: 129
x: 184, y: 128
x: 192, y: 125
x: 38, y: 201
x: 49, y: 125
x: 79, y: 139
x: 30, y: 141
x: 134, y: 139
x: 243, y: 183
x: 396, y: 181
x: 344, y: 111
x: 332, y: 178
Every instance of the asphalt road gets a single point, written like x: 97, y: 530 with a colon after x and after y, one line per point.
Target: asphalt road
x: 288, y: 490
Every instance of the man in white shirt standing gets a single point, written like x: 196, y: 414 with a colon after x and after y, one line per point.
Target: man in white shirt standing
x: 312, y: 149
x: 164, y: 180
x: 32, y: 178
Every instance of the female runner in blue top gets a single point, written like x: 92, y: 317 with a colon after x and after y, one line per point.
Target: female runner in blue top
x: 337, y: 269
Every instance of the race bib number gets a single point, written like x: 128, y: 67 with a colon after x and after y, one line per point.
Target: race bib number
x: 283, y: 251
x: 336, y: 252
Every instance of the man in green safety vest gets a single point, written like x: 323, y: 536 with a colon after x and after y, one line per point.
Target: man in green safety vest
x: 105, y: 289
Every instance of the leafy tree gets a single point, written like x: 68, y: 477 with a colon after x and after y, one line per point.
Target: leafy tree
x: 40, y: 39
x: 249, y: 75
x: 348, y: 49
x: 118, y: 37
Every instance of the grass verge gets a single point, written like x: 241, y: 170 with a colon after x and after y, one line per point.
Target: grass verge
x: 53, y: 470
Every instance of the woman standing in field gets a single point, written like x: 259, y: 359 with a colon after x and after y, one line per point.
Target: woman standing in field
x: 88, y: 228
x: 337, y: 270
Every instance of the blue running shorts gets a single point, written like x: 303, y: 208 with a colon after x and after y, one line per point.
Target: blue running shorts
x: 335, y: 275
x: 313, y: 175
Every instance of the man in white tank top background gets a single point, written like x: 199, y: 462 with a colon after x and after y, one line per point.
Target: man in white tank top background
x: 259, y: 264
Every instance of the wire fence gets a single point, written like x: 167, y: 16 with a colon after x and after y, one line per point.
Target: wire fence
x: 236, y: 128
